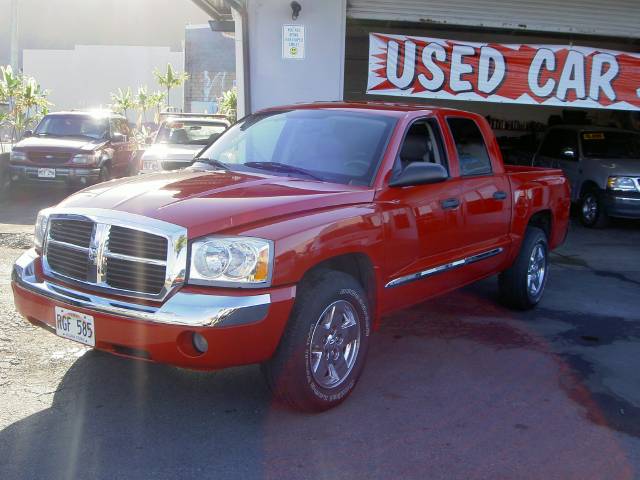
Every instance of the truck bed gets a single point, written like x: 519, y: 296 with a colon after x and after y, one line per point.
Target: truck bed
x: 538, y: 189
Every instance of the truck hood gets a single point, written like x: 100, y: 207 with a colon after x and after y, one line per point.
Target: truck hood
x: 207, y: 202
x: 66, y: 144
x: 164, y: 151
x: 625, y: 166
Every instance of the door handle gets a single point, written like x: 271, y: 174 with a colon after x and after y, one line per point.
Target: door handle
x: 500, y: 195
x: 450, y: 203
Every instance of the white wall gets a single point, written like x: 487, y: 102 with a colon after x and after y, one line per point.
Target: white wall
x: 275, y: 81
x: 85, y: 76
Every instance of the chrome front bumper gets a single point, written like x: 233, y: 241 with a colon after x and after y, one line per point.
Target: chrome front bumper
x: 25, y: 172
x: 183, y: 308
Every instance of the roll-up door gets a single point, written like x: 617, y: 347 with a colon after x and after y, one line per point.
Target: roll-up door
x: 613, y: 18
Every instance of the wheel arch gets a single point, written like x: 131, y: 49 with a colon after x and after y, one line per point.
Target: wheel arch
x: 359, y: 266
x: 588, y: 185
x: 542, y: 219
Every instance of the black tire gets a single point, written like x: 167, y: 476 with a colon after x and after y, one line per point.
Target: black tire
x: 514, y: 282
x: 289, y: 372
x: 105, y: 173
x: 592, y: 210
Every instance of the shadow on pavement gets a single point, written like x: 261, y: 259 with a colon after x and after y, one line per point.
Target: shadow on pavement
x: 455, y: 388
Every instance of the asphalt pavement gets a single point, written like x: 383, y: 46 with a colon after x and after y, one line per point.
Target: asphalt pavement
x: 456, y: 388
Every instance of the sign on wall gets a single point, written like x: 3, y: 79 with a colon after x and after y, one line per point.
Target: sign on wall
x: 293, y: 42
x: 557, y: 75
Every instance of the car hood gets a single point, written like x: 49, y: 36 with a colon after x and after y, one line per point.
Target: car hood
x: 623, y: 166
x: 207, y: 202
x: 164, y: 151
x: 49, y: 144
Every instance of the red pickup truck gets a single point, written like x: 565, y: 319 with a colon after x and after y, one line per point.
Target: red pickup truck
x: 289, y: 238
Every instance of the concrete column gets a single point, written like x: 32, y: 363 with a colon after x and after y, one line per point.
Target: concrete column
x: 319, y: 76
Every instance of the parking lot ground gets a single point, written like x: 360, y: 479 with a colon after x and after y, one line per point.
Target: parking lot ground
x: 456, y: 388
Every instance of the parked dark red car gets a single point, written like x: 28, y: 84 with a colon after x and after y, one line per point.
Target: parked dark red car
x: 80, y: 148
x: 289, y: 239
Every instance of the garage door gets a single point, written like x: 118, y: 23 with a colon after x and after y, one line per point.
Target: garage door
x: 613, y: 18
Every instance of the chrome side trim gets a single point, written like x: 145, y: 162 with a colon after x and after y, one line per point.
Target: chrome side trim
x: 184, y: 309
x: 443, y: 268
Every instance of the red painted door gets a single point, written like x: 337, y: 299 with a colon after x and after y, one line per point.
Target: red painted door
x: 485, y: 196
x: 424, y: 227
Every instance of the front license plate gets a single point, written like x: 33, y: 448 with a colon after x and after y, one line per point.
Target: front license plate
x: 46, y: 173
x: 148, y: 165
x: 75, y: 326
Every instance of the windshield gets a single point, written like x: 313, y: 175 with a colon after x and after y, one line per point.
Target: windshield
x: 189, y: 133
x: 611, y: 144
x: 328, y: 145
x: 73, y: 126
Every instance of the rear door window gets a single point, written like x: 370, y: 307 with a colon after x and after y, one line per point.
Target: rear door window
x: 471, y: 147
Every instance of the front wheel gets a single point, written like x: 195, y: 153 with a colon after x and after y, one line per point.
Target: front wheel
x: 322, y: 352
x: 592, y: 211
x: 522, y: 284
x: 105, y: 173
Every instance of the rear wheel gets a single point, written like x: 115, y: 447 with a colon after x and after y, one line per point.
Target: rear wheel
x: 322, y: 352
x: 522, y: 285
x: 592, y: 211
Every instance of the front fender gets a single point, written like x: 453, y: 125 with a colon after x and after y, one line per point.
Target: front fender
x: 303, y: 242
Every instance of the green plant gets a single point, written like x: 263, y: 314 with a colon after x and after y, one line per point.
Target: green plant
x: 123, y: 101
x: 228, y: 104
x: 170, y: 79
x: 26, y: 100
x: 156, y: 101
x: 143, y: 102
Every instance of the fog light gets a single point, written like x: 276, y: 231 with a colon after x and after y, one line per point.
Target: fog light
x: 200, y: 343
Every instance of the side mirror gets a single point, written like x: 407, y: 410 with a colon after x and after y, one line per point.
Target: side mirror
x: 118, y: 138
x: 568, y: 153
x: 420, y: 173
x: 27, y: 133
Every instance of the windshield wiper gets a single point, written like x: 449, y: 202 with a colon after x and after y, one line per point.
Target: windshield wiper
x: 213, y: 162
x: 282, y: 167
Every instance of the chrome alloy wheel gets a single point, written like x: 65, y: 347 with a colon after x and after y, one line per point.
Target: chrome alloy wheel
x: 537, y: 270
x: 335, y: 342
x: 590, y: 208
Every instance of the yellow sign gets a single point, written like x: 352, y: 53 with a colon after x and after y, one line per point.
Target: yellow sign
x: 593, y: 136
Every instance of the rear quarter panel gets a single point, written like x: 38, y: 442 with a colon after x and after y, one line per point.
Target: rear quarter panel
x: 536, y: 190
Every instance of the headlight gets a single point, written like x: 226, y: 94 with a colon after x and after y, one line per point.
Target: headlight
x: 86, y: 158
x: 624, y: 184
x: 17, y: 156
x: 231, y: 261
x: 42, y: 222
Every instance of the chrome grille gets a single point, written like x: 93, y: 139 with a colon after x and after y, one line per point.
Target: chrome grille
x: 135, y: 276
x: 49, y: 158
x: 137, y: 243
x: 75, y: 232
x: 104, y: 254
x: 67, y: 261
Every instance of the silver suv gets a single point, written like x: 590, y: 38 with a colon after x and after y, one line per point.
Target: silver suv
x: 603, y: 167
